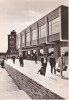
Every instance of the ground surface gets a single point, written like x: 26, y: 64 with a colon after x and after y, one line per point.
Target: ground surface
x: 8, y: 89
x: 51, y: 81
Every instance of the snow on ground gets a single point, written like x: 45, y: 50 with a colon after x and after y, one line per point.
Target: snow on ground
x: 51, y: 81
x: 8, y: 89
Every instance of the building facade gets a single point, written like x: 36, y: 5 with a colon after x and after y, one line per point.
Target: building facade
x: 12, y: 44
x: 48, y: 34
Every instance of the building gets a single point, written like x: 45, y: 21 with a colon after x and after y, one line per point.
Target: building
x: 12, y: 44
x: 48, y: 34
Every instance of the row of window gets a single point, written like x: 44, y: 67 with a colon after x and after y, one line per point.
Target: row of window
x: 12, y: 46
x: 11, y: 37
x: 12, y: 51
x: 11, y: 41
x: 54, y: 27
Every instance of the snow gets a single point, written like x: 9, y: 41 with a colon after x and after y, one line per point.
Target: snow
x: 51, y: 81
x: 8, y: 89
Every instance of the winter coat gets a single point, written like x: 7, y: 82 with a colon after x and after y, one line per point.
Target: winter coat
x: 52, y: 61
x: 61, y: 64
x: 21, y: 59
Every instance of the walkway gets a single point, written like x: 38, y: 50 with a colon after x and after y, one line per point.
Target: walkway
x: 8, y: 89
x: 51, y: 81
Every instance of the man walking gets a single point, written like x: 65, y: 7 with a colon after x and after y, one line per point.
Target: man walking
x: 21, y: 60
x: 44, y: 63
x: 42, y: 70
x: 13, y: 58
x: 61, y: 64
x: 53, y: 63
x: 35, y: 58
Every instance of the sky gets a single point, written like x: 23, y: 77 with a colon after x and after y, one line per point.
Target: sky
x: 19, y: 14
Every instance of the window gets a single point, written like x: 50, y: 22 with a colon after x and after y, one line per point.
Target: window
x: 27, y: 37
x: 11, y: 46
x: 34, y: 34
x: 12, y: 36
x: 23, y: 39
x: 19, y: 41
x: 50, y: 28
x: 42, y: 31
x: 54, y: 26
x: 10, y: 41
x: 63, y: 50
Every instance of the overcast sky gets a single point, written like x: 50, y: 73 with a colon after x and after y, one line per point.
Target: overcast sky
x: 19, y: 14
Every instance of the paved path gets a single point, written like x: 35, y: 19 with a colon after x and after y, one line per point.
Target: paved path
x: 51, y: 81
x: 8, y: 89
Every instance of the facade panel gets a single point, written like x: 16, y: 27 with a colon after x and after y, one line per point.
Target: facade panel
x: 64, y: 23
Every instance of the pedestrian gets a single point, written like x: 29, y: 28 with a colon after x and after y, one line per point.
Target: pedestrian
x: 2, y: 63
x: 42, y: 59
x: 21, y: 60
x: 53, y: 63
x: 44, y: 63
x: 42, y: 70
x: 35, y: 58
x: 61, y: 64
x: 13, y: 58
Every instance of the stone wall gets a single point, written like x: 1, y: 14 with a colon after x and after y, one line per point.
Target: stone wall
x: 32, y: 88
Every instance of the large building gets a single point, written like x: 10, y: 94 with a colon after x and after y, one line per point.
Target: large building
x: 12, y: 44
x: 48, y: 34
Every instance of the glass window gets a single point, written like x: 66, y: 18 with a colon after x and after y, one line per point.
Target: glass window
x: 50, y: 28
x: 19, y: 41
x: 27, y: 37
x: 63, y: 50
x: 23, y: 39
x: 39, y: 32
x: 51, y: 50
x: 54, y: 26
x: 42, y: 31
x: 12, y: 36
x: 34, y: 34
x: 11, y: 46
x: 10, y: 42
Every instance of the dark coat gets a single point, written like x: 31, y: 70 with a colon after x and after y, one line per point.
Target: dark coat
x: 41, y: 70
x: 52, y: 61
x: 42, y: 61
x: 21, y: 59
x: 2, y: 63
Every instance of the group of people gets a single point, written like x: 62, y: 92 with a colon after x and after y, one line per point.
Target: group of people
x: 52, y: 61
x: 20, y: 60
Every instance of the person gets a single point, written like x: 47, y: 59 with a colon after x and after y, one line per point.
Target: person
x: 42, y: 59
x: 2, y: 63
x: 42, y: 70
x: 35, y: 58
x: 21, y: 60
x: 53, y: 63
x: 44, y: 63
x: 13, y: 58
x: 61, y: 64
